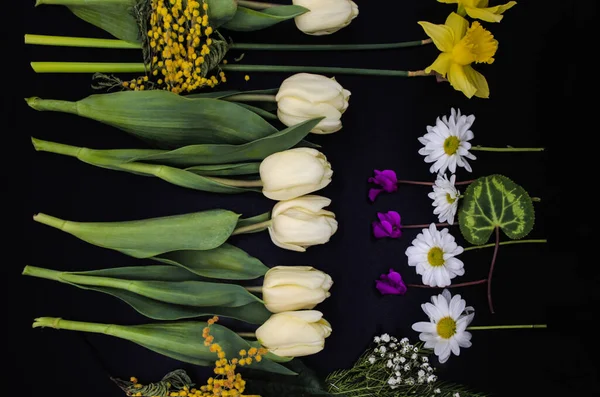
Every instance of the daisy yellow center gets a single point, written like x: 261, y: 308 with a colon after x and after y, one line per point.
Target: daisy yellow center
x: 435, y: 257
x: 451, y: 145
x: 450, y: 199
x: 446, y: 327
x: 477, y: 46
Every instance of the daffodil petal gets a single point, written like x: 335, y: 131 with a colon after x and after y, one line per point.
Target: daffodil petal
x: 458, y: 25
x: 460, y: 80
x: 441, y: 35
x: 441, y: 64
x: 479, y: 81
x: 491, y: 14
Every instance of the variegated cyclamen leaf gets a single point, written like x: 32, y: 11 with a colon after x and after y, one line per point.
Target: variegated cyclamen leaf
x: 495, y: 201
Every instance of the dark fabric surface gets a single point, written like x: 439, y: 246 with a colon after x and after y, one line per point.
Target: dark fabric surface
x: 537, y: 85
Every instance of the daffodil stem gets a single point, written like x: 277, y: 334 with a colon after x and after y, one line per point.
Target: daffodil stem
x: 507, y: 149
x: 59, y: 323
x: 424, y: 226
x: 489, y: 284
x: 89, y: 42
x: 251, y: 98
x: 87, y: 67
x: 256, y: 5
x: 236, y: 182
x: 247, y: 334
x: 467, y: 284
x: 494, y: 327
x: 327, y: 47
x: 323, y: 70
x: 254, y: 289
x: 252, y: 228
x: 474, y: 247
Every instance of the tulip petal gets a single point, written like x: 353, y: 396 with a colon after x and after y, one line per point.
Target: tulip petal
x: 442, y: 35
x: 309, y: 202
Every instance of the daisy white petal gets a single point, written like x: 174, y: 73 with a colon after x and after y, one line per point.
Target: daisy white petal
x: 445, y: 198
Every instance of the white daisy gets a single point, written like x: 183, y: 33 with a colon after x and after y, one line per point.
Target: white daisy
x: 446, y: 144
x: 445, y: 198
x: 445, y: 331
x: 433, y: 254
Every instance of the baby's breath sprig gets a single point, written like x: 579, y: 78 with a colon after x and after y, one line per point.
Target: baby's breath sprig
x: 393, y: 367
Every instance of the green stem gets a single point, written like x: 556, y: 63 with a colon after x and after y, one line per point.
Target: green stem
x: 256, y: 5
x: 52, y: 105
x: 252, y: 228
x: 254, y: 289
x: 236, y: 182
x: 322, y: 69
x: 327, y: 47
x: 490, y: 327
x: 507, y: 243
x: 58, y: 323
x: 50, y: 221
x: 87, y: 42
x: 87, y: 67
x: 54, y: 147
x: 507, y: 149
x: 41, y: 273
x: 246, y: 334
x: 251, y: 98
x: 424, y: 226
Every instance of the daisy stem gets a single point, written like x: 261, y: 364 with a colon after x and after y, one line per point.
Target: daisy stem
x: 424, y: 226
x: 489, y: 284
x: 467, y: 284
x: 490, y: 327
x: 507, y: 149
x: 506, y: 243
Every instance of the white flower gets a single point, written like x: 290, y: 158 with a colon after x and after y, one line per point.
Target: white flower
x: 372, y: 359
x: 445, y: 198
x: 325, y: 16
x: 457, y: 394
x: 437, y: 391
x: 446, y: 144
x: 382, y: 349
x: 385, y: 338
x: 402, y: 360
x: 432, y: 378
x: 433, y: 254
x: 421, y: 373
x: 445, y: 332
x: 390, y: 364
x: 404, y: 341
x: 424, y: 359
x: 376, y: 339
x: 414, y: 356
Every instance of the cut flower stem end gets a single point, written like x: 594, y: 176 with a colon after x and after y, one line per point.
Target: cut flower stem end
x: 499, y: 327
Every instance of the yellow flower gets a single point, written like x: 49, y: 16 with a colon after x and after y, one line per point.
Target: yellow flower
x: 478, y: 9
x: 462, y: 45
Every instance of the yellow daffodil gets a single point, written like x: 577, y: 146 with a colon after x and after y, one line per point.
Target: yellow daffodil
x: 478, y: 9
x: 461, y: 46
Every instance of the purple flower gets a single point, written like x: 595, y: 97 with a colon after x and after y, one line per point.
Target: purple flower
x: 386, y: 179
x: 388, y: 225
x: 391, y: 284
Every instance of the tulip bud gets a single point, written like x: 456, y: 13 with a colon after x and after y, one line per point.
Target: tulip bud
x: 302, y: 222
x: 294, y: 334
x: 287, y: 288
x: 293, y: 173
x: 306, y: 96
x: 325, y: 16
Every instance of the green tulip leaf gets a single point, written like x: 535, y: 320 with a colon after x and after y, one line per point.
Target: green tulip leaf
x: 495, y: 201
x: 224, y: 262
x: 116, y: 18
x: 248, y: 20
x: 225, y: 169
x: 146, y: 238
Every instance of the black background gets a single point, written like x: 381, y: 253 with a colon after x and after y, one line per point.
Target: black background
x: 541, y: 95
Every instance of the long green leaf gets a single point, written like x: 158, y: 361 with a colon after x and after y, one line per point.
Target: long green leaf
x: 495, y: 201
x: 145, y: 238
x: 192, y: 155
x: 246, y: 19
x: 226, y: 169
x: 115, y: 18
x: 254, y: 220
x: 183, y: 341
x: 166, y: 119
x: 224, y: 262
x: 227, y: 93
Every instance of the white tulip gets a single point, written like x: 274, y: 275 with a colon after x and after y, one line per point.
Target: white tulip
x: 306, y: 96
x: 293, y: 173
x: 299, y: 223
x: 294, y: 334
x: 325, y: 16
x: 287, y: 288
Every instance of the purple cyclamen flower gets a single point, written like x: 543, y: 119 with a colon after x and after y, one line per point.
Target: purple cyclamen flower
x: 386, y: 179
x: 391, y: 284
x: 388, y: 225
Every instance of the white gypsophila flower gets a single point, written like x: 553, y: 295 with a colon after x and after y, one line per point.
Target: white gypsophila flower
x: 404, y: 341
x: 445, y: 198
x: 389, y: 364
x: 409, y: 381
x: 424, y: 359
x: 433, y: 255
x: 402, y: 360
x: 393, y: 345
x: 431, y: 378
x: 385, y: 338
x: 372, y: 359
x: 437, y: 391
x: 445, y: 331
x: 421, y: 373
x: 394, y: 339
x: 392, y: 381
x: 382, y: 350
x: 446, y: 144
x: 407, y: 367
x: 376, y: 339
x: 457, y: 394
x: 414, y: 356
